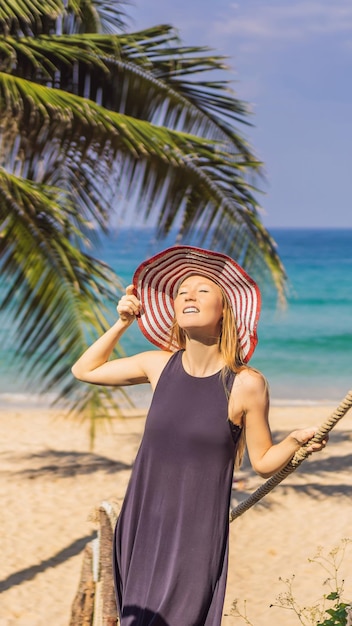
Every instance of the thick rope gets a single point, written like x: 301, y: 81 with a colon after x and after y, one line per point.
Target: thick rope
x: 297, y: 459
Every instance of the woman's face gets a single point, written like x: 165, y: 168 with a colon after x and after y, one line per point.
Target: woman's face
x: 199, y: 306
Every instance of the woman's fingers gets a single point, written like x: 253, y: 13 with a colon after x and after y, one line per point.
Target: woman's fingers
x: 315, y: 447
x: 129, y: 306
x: 304, y: 435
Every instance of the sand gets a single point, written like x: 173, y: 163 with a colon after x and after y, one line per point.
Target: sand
x: 51, y: 484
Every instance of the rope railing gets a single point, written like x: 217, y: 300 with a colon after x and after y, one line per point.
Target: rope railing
x: 297, y: 459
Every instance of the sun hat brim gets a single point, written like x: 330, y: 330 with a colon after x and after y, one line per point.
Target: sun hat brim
x: 157, y: 279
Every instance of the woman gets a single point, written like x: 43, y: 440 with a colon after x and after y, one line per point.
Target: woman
x: 171, y: 538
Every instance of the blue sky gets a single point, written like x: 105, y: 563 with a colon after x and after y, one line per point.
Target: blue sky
x: 291, y: 61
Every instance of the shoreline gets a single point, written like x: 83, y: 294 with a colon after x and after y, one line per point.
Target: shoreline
x: 51, y: 484
x: 142, y: 398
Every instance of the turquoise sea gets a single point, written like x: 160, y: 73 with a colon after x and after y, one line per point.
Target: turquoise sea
x: 304, y: 350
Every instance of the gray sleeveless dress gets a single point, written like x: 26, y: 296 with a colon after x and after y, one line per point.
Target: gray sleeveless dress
x: 171, y: 538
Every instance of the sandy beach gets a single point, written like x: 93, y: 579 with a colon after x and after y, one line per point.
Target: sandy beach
x: 51, y: 484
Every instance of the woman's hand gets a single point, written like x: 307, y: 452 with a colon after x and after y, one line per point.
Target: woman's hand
x: 303, y: 435
x: 129, y: 306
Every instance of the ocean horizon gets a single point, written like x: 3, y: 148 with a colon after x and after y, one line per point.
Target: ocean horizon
x: 304, y: 350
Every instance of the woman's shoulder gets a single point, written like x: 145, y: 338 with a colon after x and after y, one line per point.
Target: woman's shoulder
x: 250, y: 380
x: 153, y: 362
x: 250, y: 374
x: 249, y: 390
x: 156, y: 356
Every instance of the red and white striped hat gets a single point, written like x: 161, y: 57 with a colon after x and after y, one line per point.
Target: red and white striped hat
x: 157, y: 279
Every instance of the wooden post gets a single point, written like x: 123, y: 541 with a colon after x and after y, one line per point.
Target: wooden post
x: 83, y: 605
x: 106, y: 574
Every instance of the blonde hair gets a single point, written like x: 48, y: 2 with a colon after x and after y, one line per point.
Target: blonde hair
x: 231, y: 352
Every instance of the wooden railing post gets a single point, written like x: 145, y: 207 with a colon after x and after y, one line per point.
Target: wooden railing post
x: 83, y: 604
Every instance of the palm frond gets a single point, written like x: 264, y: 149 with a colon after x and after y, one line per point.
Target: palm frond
x: 203, y: 182
x: 98, y: 405
x: 53, y: 288
x: 112, y: 17
x: 55, y: 110
x: 74, y: 16
x: 28, y: 16
x: 41, y: 58
x: 95, y: 122
x: 99, y: 67
x: 56, y: 294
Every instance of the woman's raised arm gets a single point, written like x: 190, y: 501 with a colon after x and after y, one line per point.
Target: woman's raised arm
x: 94, y: 365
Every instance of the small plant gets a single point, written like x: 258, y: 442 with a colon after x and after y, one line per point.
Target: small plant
x: 330, y: 610
x: 235, y: 612
x: 340, y: 613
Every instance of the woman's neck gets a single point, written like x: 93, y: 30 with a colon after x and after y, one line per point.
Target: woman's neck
x: 200, y: 359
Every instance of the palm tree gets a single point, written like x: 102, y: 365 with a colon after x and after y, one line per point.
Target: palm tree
x: 90, y: 113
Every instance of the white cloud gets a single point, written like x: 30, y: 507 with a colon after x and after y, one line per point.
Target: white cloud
x: 283, y: 20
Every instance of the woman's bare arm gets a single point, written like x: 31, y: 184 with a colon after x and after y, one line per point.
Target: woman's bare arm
x: 94, y: 365
x: 252, y: 399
